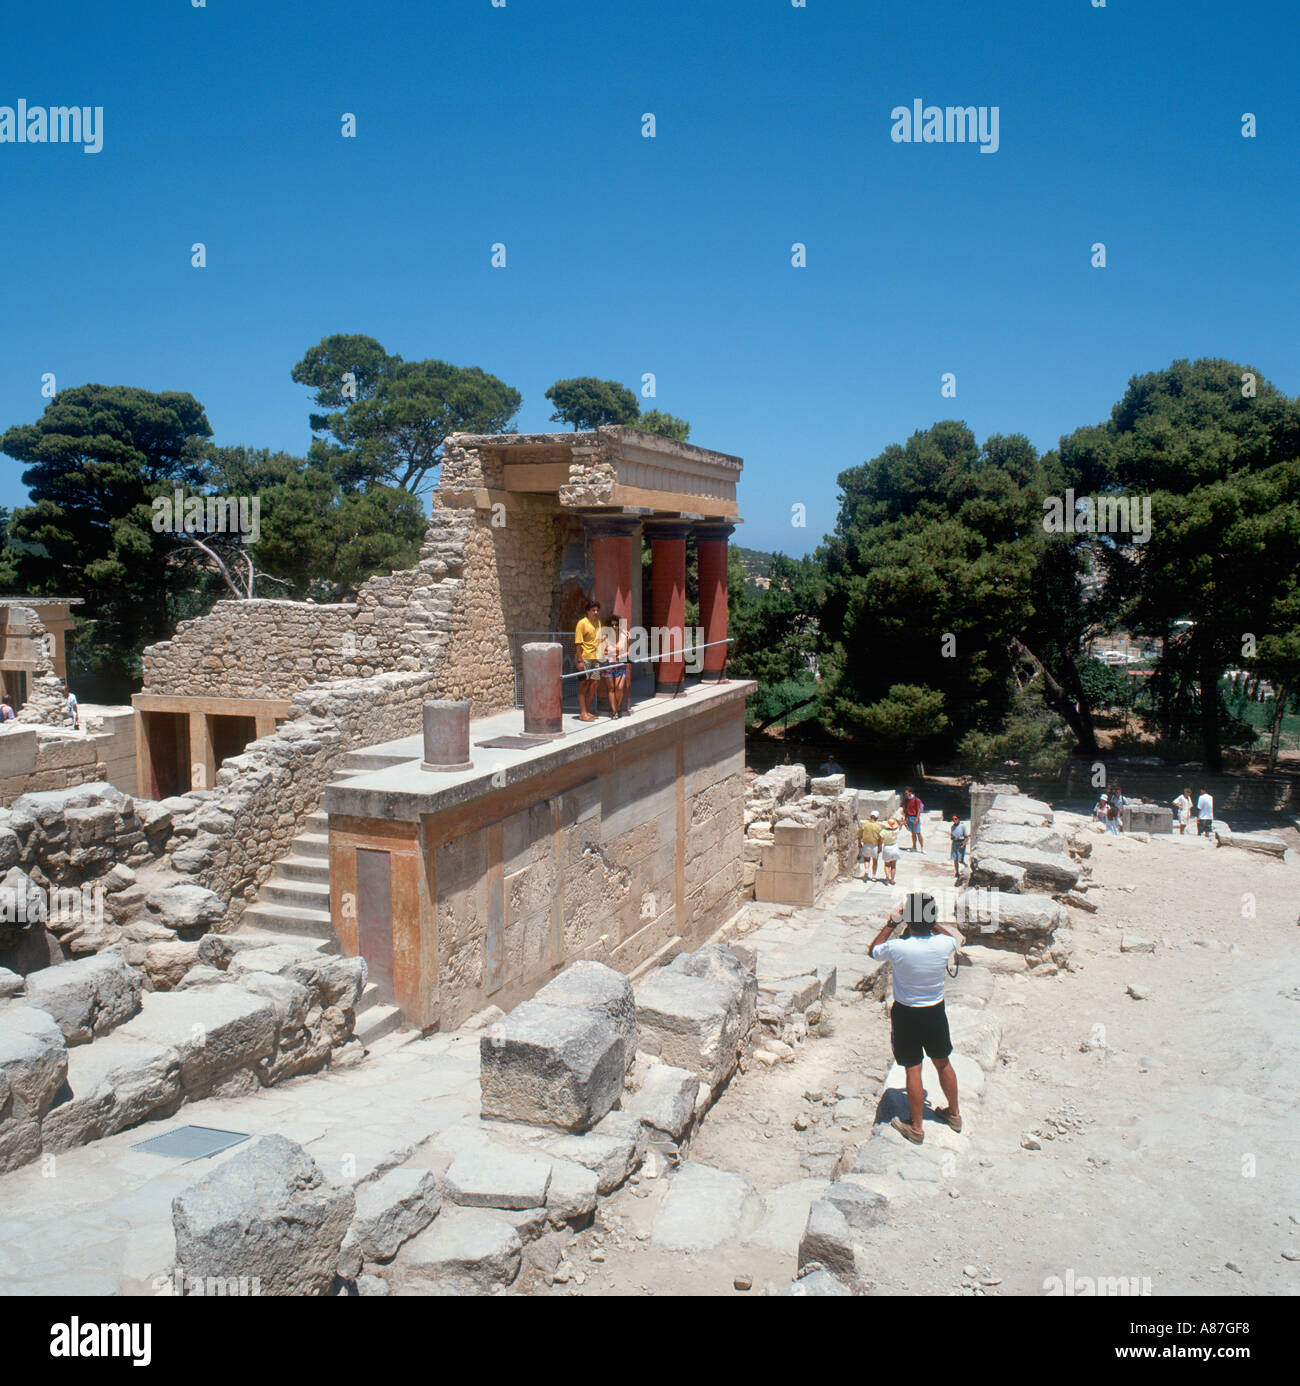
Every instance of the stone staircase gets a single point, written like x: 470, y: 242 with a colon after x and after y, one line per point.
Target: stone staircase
x: 293, y: 903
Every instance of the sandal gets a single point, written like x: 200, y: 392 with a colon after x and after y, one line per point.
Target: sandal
x: 947, y: 1118
x: 906, y: 1131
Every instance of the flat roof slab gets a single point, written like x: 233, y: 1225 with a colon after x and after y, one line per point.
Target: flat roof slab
x: 405, y: 792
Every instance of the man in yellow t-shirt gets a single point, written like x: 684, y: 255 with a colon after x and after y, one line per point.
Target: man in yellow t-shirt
x: 586, y: 649
x: 869, y: 831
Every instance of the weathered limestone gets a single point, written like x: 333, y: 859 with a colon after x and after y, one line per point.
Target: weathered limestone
x: 611, y: 1152
x: 390, y: 1211
x: 696, y: 1023
x: 113, y: 1083
x: 486, y: 1176
x: 33, y: 1066
x: 591, y: 986
x: 1020, y: 808
x: 704, y: 1208
x: 997, y: 875
x: 861, y: 1208
x: 827, y: 1240
x: 465, y: 1251
x: 996, y: 831
x: 1016, y: 917
x: 89, y: 996
x: 268, y: 1214
x: 1053, y: 871
x: 1148, y: 818
x: 666, y: 1100
x: 215, y: 1030
x: 981, y: 800
x: 552, y: 1066
x: 1263, y: 843
x: 572, y: 1193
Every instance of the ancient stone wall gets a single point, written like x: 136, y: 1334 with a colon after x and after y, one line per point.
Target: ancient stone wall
x: 35, y: 757
x: 592, y: 873
x: 271, y: 649
x: 261, y: 795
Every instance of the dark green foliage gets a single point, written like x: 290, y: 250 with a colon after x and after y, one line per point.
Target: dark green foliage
x: 668, y: 425
x: 388, y: 417
x: 93, y: 463
x: 586, y: 403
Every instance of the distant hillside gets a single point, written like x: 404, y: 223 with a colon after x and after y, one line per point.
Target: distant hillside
x: 757, y: 564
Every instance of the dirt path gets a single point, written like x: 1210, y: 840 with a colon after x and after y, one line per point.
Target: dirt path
x: 1166, y: 1125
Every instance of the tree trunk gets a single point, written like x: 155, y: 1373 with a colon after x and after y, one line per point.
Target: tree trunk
x: 1275, y: 741
x: 1076, y: 712
x: 1209, y: 682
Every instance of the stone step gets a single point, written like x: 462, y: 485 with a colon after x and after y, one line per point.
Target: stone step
x: 289, y: 919
x: 310, y: 895
x: 311, y: 845
x: 317, y: 822
x: 274, y: 936
x: 296, y: 868
x: 377, y: 1020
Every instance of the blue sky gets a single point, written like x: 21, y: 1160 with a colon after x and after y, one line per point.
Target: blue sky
x: 478, y: 124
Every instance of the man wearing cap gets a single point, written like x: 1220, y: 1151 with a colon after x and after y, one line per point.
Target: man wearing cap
x: 869, y: 844
x: 918, y: 1022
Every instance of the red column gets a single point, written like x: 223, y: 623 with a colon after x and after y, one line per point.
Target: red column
x: 616, y: 565
x: 668, y: 605
x: 711, y: 546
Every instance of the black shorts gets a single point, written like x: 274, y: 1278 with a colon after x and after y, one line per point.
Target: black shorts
x: 1204, y: 827
x: 919, y: 1028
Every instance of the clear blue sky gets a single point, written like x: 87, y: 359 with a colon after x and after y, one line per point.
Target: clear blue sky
x: 522, y: 124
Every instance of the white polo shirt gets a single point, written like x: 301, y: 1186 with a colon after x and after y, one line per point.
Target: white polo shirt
x: 1205, y: 807
x: 919, y: 967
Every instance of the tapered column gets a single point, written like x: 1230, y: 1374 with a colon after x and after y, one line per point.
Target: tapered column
x: 711, y: 548
x: 668, y: 605
x: 616, y: 565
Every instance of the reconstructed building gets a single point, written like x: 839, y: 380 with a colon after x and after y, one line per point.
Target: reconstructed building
x: 617, y: 841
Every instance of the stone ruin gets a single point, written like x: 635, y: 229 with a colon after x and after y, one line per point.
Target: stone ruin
x: 110, y: 966
x: 591, y: 1080
x: 800, y: 834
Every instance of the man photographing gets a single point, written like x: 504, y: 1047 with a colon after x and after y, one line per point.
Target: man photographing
x: 918, y: 960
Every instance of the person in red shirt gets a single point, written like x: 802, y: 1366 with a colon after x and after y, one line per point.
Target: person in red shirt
x: 913, y: 808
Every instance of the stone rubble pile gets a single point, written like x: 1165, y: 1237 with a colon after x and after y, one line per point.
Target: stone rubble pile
x: 86, y: 1051
x: 1021, y: 864
x: 581, y: 1087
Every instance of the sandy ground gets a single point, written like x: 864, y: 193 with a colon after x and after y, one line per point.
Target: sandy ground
x: 1167, y: 1125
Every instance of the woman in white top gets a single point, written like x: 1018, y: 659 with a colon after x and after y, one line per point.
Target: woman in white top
x: 1183, y: 806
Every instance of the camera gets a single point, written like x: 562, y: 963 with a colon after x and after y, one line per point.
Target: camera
x: 920, y: 910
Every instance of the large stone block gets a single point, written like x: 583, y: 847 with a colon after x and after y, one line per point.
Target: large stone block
x: 997, y: 875
x: 390, y: 1211
x: 486, y: 1176
x: 1020, y: 808
x: 268, y: 1214
x: 995, y: 831
x: 827, y: 1240
x: 1052, y: 871
x: 666, y: 1100
x: 551, y: 1066
x: 111, y: 1085
x: 215, y: 1030
x: 1148, y: 818
x: 88, y: 996
x: 696, y: 1022
x: 1031, y: 918
x: 591, y: 986
x: 465, y: 1251
x: 186, y: 908
x: 33, y: 1066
